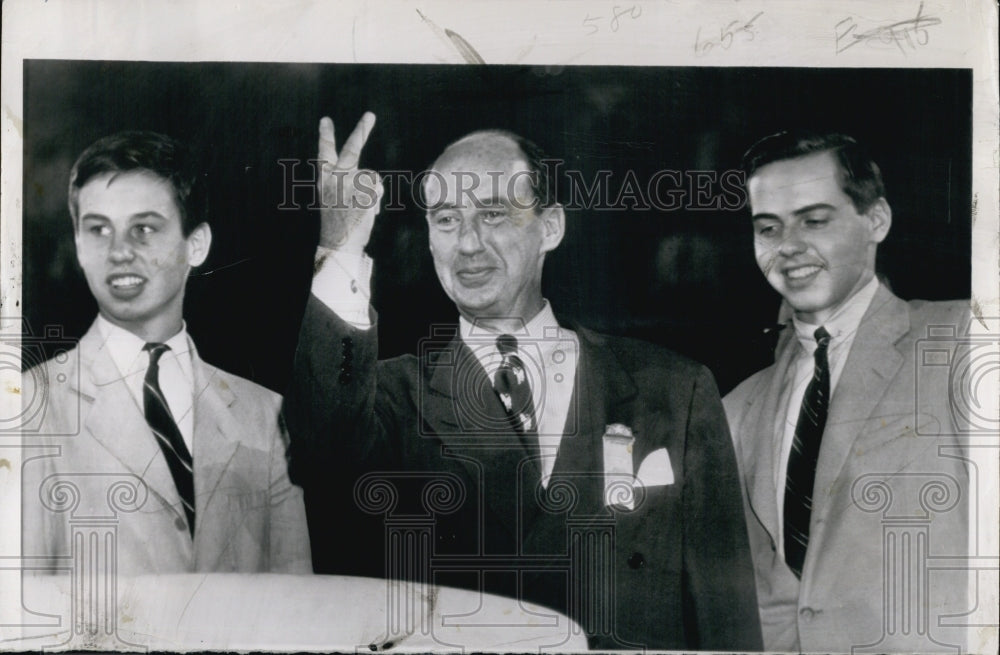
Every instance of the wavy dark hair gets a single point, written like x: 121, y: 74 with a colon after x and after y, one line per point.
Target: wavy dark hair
x: 144, y: 151
x: 860, y: 177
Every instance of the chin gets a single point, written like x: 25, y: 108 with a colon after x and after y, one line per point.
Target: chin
x: 474, y: 302
x: 806, y: 306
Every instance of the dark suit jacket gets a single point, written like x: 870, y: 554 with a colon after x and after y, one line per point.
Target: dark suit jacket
x: 409, y: 437
x: 892, y: 473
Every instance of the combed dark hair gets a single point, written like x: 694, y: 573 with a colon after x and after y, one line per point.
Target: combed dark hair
x: 860, y: 177
x: 149, y: 151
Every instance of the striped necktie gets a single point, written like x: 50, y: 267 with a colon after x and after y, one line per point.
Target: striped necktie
x: 168, y: 435
x: 801, y: 476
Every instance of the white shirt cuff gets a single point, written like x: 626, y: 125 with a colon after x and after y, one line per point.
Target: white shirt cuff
x: 342, y: 282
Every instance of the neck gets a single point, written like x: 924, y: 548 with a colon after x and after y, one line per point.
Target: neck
x: 508, y: 323
x: 823, y: 316
x: 155, y: 331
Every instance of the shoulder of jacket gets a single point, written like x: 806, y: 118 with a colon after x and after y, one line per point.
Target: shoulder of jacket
x: 940, y: 312
x: 746, y: 391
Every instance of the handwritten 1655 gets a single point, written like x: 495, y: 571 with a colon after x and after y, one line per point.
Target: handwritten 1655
x: 727, y: 35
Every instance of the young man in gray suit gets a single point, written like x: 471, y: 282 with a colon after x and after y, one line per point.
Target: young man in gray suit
x: 851, y: 457
x: 186, y: 461
x: 518, y: 454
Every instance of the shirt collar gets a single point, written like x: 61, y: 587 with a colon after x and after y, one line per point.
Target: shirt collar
x: 126, y: 351
x: 534, y: 330
x: 844, y: 322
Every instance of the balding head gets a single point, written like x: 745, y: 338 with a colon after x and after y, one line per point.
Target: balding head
x: 500, y: 152
x: 488, y: 233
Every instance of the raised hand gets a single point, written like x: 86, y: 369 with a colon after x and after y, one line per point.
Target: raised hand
x: 350, y: 197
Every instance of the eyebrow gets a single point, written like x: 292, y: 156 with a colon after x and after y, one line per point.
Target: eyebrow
x: 491, y: 202
x: 138, y: 216
x: 149, y: 214
x: 798, y: 212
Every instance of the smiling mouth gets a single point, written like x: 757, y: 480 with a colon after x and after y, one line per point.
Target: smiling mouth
x: 126, y: 286
x: 127, y: 281
x: 475, y: 276
x: 802, y: 272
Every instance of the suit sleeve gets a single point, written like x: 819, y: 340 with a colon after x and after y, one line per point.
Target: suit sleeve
x: 337, y: 435
x: 331, y: 402
x: 289, y: 536
x: 720, y: 594
x: 41, y: 535
x: 43, y: 532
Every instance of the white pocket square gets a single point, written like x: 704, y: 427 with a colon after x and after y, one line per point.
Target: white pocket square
x: 619, y: 481
x: 655, y: 470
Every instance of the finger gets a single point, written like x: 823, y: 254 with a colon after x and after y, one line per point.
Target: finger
x: 369, y: 183
x: 327, y: 142
x: 351, y: 151
x: 380, y: 190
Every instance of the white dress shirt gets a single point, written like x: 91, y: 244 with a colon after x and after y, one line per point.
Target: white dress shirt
x: 549, y: 352
x: 176, y: 376
x: 343, y: 283
x: 842, y: 326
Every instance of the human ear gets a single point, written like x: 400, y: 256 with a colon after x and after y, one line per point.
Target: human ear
x: 879, y: 216
x: 198, y: 244
x: 553, y: 227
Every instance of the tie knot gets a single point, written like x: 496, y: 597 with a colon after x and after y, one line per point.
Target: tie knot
x: 507, y: 344
x: 155, y: 351
x: 822, y: 337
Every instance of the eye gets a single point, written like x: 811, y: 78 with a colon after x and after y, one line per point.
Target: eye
x: 819, y: 221
x: 444, y: 221
x: 98, y: 230
x: 493, y: 216
x: 766, y: 230
x: 143, y: 231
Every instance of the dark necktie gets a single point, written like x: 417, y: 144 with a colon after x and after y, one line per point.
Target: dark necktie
x: 167, y: 433
x: 801, y: 477
x: 511, y: 384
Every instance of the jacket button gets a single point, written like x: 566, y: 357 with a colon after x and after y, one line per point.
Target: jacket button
x: 180, y: 524
x: 636, y: 561
x: 807, y: 613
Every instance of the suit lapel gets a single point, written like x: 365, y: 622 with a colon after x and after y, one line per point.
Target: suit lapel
x: 603, y: 393
x: 116, y: 420
x: 460, y: 403
x: 216, y: 433
x: 461, y: 409
x: 763, y: 417
x: 871, y: 366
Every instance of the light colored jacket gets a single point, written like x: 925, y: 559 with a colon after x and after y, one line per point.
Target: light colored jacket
x: 93, y: 467
x: 891, y: 500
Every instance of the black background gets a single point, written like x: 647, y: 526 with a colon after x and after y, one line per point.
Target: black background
x: 685, y: 279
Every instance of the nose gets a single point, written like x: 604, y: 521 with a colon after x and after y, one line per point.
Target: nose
x: 469, y: 241
x: 121, y: 250
x: 792, y: 244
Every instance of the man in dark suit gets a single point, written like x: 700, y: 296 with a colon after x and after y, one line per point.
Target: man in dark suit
x: 516, y: 454
x: 851, y: 455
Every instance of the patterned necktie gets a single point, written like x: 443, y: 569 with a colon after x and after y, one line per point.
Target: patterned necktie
x: 168, y: 435
x: 511, y: 384
x: 801, y: 477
